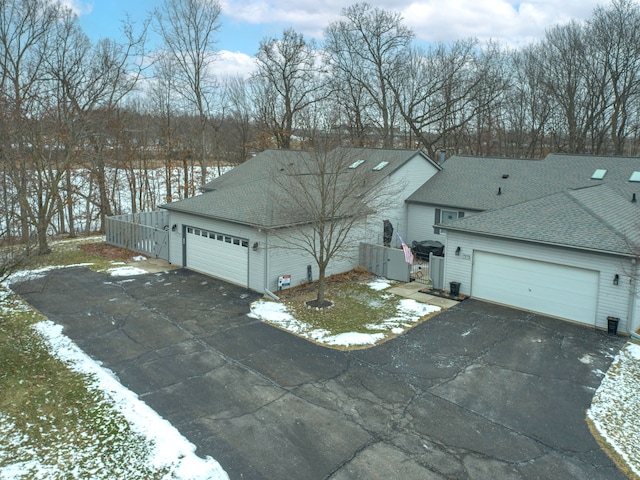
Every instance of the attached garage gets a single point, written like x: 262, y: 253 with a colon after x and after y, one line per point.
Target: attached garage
x: 218, y: 254
x: 548, y: 288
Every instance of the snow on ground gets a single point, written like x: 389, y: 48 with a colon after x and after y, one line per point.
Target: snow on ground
x: 125, y: 271
x: 170, y: 449
x: 615, y: 409
x: 408, y: 313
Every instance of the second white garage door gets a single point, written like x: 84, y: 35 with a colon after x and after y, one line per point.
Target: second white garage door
x: 549, y: 288
x: 217, y: 254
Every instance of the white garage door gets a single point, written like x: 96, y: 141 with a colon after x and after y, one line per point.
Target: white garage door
x: 548, y: 288
x: 218, y: 254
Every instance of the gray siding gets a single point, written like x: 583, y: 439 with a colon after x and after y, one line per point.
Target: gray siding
x: 613, y: 300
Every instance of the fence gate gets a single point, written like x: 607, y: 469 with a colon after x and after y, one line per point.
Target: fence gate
x: 436, y: 271
x: 385, y: 262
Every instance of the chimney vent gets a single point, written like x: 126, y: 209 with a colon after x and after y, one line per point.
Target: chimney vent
x: 633, y: 198
x: 499, y: 190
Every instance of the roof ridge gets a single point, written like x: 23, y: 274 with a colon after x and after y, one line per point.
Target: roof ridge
x: 604, y: 221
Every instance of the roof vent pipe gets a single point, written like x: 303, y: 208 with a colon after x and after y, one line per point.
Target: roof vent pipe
x: 499, y: 190
x: 633, y: 198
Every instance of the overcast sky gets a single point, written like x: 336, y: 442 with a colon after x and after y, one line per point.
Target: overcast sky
x: 245, y: 23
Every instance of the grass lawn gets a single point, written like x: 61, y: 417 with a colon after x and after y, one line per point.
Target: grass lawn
x: 363, y: 314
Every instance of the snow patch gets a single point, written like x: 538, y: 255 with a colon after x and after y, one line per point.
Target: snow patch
x: 170, y: 448
x: 126, y: 271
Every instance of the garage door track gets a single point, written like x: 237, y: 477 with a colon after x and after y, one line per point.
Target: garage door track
x: 477, y: 392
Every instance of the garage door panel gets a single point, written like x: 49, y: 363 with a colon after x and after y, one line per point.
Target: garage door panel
x: 218, y: 254
x: 552, y: 289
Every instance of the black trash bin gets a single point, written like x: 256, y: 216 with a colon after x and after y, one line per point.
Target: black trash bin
x: 612, y: 323
x: 454, y: 288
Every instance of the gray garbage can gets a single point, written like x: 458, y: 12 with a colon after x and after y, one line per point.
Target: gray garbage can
x: 454, y: 288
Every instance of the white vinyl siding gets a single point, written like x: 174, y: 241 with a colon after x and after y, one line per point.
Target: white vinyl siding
x: 548, y: 288
x: 612, y: 300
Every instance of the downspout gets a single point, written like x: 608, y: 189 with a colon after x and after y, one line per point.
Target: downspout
x: 632, y: 300
x: 266, y: 262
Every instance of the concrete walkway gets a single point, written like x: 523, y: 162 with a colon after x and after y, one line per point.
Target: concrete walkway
x: 412, y: 290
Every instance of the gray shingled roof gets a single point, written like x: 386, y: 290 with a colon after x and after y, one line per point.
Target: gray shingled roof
x: 246, y: 193
x: 595, y: 218
x: 472, y: 183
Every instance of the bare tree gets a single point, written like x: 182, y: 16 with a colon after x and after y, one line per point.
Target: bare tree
x: 443, y: 89
x: 240, y: 125
x: 332, y: 200
x: 188, y: 29
x: 287, y: 82
x: 363, y: 49
x: 25, y: 32
x: 615, y: 33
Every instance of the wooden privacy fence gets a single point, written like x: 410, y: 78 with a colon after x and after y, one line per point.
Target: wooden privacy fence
x: 144, y: 232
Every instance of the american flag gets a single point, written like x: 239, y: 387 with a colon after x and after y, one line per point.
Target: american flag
x: 408, y: 254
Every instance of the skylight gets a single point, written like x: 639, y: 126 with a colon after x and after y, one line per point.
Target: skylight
x: 635, y: 177
x: 599, y: 174
x: 381, y: 165
x: 356, y: 164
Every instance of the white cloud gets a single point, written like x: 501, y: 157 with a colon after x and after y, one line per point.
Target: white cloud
x: 432, y: 20
x: 78, y: 6
x: 233, y: 63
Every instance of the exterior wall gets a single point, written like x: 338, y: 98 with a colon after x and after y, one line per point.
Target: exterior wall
x: 421, y: 219
x: 256, y: 257
x: 273, y: 257
x: 286, y: 260
x: 402, y: 184
x: 613, y: 300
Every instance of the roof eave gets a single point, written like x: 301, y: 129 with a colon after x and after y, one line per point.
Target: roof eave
x: 539, y: 242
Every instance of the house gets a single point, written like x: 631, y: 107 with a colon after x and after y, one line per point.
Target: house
x: 558, y: 236
x: 234, y: 230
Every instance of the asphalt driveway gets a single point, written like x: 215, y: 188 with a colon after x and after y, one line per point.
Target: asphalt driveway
x: 477, y: 392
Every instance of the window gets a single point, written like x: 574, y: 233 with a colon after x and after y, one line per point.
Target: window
x: 635, y: 177
x: 380, y: 166
x: 599, y: 174
x: 445, y: 217
x: 356, y: 164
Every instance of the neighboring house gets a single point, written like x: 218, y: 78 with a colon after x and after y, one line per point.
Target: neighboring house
x: 228, y: 231
x: 558, y: 236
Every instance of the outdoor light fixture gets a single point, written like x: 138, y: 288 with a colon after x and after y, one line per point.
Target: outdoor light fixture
x: 458, y: 251
x: 255, y: 246
x: 174, y: 228
x: 616, y: 279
